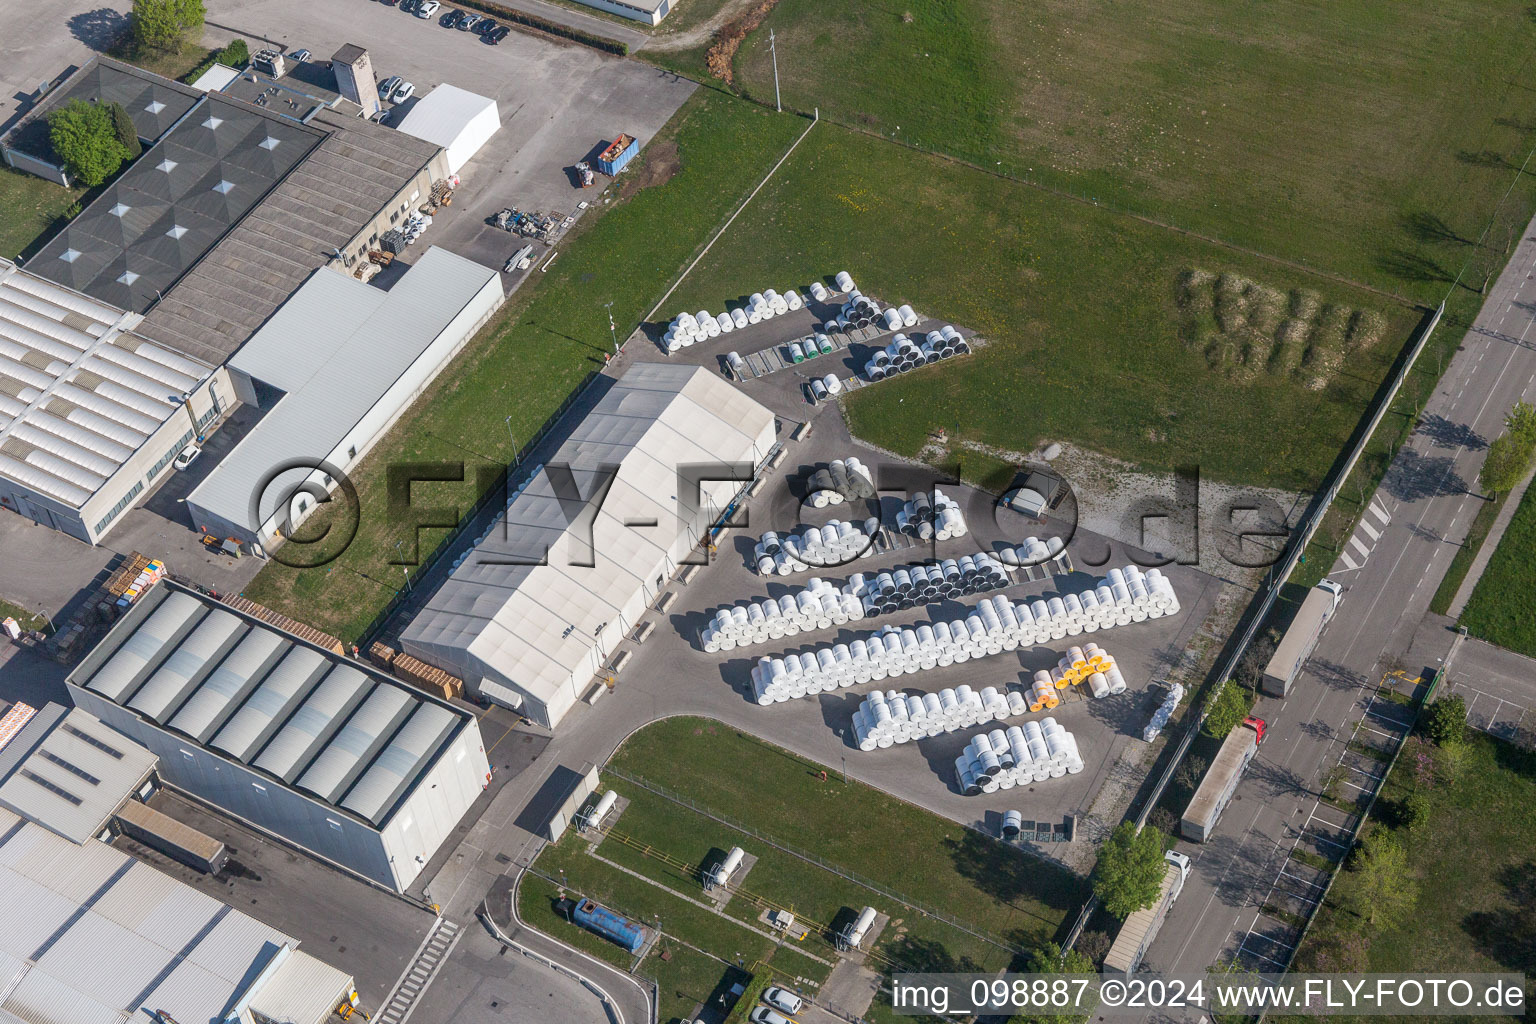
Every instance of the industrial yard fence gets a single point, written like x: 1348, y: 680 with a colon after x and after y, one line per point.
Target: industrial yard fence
x: 811, y: 858
x: 1274, y: 581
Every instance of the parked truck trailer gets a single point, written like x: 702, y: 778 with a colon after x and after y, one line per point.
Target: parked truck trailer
x: 1221, y: 780
x: 1296, y: 646
x: 1140, y: 927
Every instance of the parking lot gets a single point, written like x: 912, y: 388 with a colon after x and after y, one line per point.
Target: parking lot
x: 558, y: 101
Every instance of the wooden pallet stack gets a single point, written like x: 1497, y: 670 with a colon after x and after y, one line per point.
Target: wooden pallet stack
x: 287, y: 625
x: 434, y: 680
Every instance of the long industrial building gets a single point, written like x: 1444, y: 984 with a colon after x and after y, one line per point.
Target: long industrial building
x: 332, y: 371
x: 91, y: 411
x: 358, y: 769
x: 565, y: 573
x: 88, y: 935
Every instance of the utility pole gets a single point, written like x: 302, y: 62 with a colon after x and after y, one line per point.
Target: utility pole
x: 773, y: 48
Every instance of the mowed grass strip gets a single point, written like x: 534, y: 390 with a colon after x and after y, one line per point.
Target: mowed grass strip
x: 1080, y: 306
x: 1473, y: 864
x: 30, y: 208
x: 1018, y: 898
x: 530, y: 357
x: 1501, y: 609
x: 1363, y: 138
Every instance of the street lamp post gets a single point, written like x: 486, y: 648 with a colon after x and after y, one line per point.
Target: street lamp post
x: 511, y: 438
x: 612, y: 332
x: 403, y: 567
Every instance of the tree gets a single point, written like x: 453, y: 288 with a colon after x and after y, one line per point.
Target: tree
x: 165, y: 24
x: 1130, y: 870
x: 122, y: 127
x: 1382, y: 889
x: 235, y: 55
x: 1445, y: 721
x: 1051, y: 959
x: 83, y: 138
x: 1509, y: 456
x: 1229, y: 705
x: 1414, y: 811
x: 1191, y: 771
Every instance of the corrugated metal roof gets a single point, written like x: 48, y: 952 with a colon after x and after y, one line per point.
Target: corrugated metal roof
x: 301, y: 988
x: 307, y: 717
x: 69, y: 773
x: 541, y: 627
x: 135, y: 942
x: 334, y: 348
x: 78, y: 393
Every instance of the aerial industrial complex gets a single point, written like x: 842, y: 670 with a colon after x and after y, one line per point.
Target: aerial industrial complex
x: 611, y: 511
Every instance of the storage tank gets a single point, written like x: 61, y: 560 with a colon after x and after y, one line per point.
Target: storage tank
x: 854, y: 935
x: 727, y: 867
x: 611, y: 926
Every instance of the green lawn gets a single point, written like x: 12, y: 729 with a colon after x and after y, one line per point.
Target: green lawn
x: 816, y: 896
x: 1501, y: 609
x: 929, y: 860
x: 1098, y: 334
x: 30, y: 208
x: 1010, y: 896
x: 524, y: 364
x: 1474, y: 867
x: 1369, y: 138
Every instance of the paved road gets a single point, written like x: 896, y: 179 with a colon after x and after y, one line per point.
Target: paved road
x: 1390, y: 570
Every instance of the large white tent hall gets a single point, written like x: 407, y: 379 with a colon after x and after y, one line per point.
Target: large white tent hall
x: 531, y: 636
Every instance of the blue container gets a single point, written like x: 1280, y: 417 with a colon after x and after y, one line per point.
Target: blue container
x: 609, y: 925
x: 619, y: 153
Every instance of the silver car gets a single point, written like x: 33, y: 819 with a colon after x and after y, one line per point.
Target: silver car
x: 766, y: 1015
x: 469, y: 21
x: 783, y: 1000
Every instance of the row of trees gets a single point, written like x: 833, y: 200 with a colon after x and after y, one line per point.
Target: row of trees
x: 164, y: 26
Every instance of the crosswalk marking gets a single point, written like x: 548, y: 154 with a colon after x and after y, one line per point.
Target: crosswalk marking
x: 1364, y: 551
x: 1370, y: 530
x: 1380, y: 512
x: 1349, y: 563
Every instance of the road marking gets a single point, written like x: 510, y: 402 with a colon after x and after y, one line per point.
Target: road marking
x: 1349, y: 563
x: 1370, y: 530
x: 1380, y: 510
x: 1365, y: 552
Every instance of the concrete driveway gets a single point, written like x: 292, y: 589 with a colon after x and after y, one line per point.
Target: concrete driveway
x: 558, y: 102
x: 40, y: 40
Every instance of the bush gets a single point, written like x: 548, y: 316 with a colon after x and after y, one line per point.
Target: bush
x: 235, y: 55
x: 1509, y: 456
x: 1130, y: 870
x: 122, y: 127
x: 1228, y: 706
x: 554, y: 28
x: 1413, y: 812
x: 1163, y: 820
x: 1445, y: 721
x: 85, y: 142
x: 165, y: 24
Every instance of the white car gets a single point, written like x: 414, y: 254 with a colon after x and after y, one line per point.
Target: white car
x: 782, y: 1000
x: 427, y: 8
x: 389, y: 85
x: 187, y: 456
x: 403, y: 92
x: 766, y: 1015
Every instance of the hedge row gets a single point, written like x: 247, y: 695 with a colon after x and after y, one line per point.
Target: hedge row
x: 554, y: 28
x: 236, y: 55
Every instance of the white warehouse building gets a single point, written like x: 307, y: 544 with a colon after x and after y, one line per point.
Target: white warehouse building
x: 350, y: 765
x: 455, y: 119
x: 531, y: 636
x: 91, y: 413
x: 332, y: 370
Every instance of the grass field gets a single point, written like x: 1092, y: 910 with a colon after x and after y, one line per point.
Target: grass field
x: 1473, y: 864
x: 927, y: 859
x: 648, y: 874
x: 1364, y: 137
x: 554, y: 331
x: 1094, y: 335
x: 29, y: 208
x: 1501, y: 609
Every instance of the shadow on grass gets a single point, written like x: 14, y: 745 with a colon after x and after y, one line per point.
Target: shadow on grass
x: 1508, y: 935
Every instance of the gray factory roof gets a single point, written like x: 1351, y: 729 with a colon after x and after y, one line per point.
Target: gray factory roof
x: 535, y: 623
x: 69, y: 773
x: 78, y: 394
x: 334, y: 348
x: 307, y: 85
x: 174, y: 203
x: 320, y: 206
x: 153, y: 103
x: 88, y: 935
x: 346, y: 735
